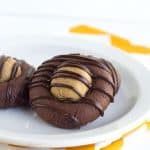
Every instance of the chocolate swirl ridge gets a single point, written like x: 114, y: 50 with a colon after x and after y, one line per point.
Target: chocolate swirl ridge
x: 2, y: 61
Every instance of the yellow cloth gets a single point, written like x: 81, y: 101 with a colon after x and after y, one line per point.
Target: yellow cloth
x: 115, y: 40
x: 117, y: 145
x: 87, y: 147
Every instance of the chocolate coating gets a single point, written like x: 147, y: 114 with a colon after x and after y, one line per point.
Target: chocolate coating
x: 14, y: 91
x: 69, y: 113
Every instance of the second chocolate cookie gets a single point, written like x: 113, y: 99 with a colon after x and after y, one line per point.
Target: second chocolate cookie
x: 15, y: 75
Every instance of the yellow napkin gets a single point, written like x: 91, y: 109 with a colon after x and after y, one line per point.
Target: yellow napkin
x: 115, y: 40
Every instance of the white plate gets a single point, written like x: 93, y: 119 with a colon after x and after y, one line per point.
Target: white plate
x: 23, y: 127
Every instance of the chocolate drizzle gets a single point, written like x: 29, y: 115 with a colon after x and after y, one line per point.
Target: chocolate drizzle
x: 66, y: 86
x: 69, y: 74
x: 71, y: 64
x: 82, y: 59
x: 104, y: 92
x: 35, y: 102
x: 14, y: 70
x: 2, y: 61
x: 105, y: 79
x: 97, y: 69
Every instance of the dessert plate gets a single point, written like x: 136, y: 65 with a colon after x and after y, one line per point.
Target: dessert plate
x: 21, y: 126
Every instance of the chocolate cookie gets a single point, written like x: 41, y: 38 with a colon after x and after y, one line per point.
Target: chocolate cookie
x: 14, y: 79
x: 69, y: 91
